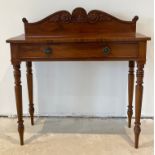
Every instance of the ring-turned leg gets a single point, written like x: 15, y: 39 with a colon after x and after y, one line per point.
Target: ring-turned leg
x: 18, y: 93
x: 30, y: 90
x: 130, y: 91
x: 138, y: 101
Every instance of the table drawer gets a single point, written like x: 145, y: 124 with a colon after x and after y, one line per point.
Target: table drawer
x: 79, y: 51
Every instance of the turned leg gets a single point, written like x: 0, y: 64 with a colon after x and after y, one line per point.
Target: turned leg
x: 138, y: 101
x: 18, y: 94
x: 130, y: 91
x: 30, y: 90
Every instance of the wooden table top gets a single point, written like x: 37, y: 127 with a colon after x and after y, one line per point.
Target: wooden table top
x: 79, y: 38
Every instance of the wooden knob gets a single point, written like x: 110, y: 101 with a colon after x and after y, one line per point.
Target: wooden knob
x: 106, y: 50
x: 47, y: 50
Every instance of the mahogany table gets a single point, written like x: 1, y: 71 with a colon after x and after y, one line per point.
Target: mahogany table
x: 80, y: 36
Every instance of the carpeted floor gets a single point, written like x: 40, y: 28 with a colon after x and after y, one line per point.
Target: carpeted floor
x: 75, y: 136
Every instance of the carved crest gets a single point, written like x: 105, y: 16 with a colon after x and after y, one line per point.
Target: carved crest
x: 79, y: 15
x: 79, y: 21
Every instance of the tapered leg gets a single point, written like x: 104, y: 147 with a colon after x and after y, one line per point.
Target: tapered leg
x: 18, y: 93
x: 138, y: 103
x: 130, y: 91
x: 30, y: 90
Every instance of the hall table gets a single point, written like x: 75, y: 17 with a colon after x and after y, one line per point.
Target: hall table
x: 80, y: 36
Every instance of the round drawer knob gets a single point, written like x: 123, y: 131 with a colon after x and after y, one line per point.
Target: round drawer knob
x: 106, y: 50
x: 47, y: 50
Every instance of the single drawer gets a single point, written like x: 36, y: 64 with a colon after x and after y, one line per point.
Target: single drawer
x: 79, y: 51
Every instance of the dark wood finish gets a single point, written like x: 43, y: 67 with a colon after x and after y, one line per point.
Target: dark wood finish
x: 82, y: 51
x: 138, y: 103
x: 130, y: 90
x: 30, y: 89
x: 62, y: 22
x: 18, y: 94
x: 80, y: 36
x: 76, y: 38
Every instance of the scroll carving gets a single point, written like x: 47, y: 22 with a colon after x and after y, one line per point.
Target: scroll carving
x: 79, y: 15
x: 79, y: 21
x: 98, y: 16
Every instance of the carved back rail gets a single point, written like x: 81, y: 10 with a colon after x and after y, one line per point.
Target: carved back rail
x: 79, y: 22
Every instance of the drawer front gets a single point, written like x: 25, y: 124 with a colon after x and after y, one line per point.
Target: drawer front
x: 79, y: 51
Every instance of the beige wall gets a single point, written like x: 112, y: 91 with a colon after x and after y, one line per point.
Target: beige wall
x: 74, y: 88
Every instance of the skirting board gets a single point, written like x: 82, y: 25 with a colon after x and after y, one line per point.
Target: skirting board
x: 108, y: 117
